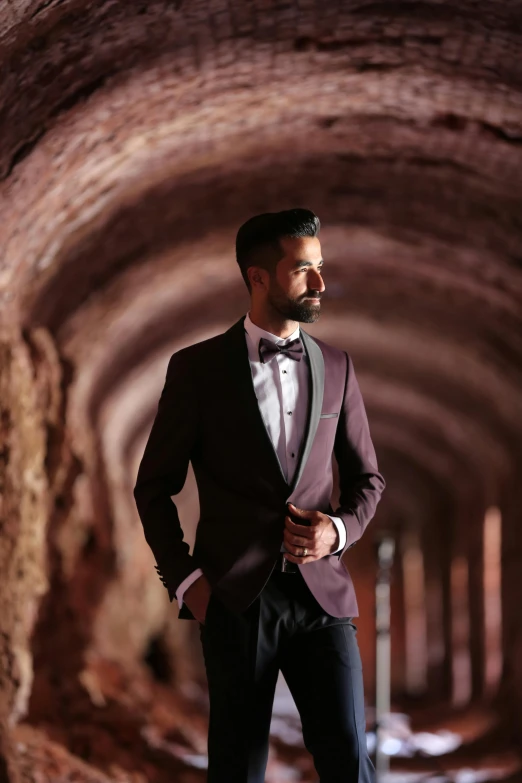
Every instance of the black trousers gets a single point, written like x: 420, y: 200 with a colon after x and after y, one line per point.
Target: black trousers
x: 283, y: 629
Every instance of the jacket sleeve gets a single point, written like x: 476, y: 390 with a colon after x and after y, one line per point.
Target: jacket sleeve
x: 163, y: 470
x: 360, y: 482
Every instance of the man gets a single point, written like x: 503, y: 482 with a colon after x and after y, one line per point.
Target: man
x: 259, y: 410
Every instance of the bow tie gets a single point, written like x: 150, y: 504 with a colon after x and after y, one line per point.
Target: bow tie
x: 268, y: 349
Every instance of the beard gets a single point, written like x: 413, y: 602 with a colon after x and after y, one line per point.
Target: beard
x: 294, y: 309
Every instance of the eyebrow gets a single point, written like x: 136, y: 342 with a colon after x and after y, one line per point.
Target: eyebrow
x: 302, y: 263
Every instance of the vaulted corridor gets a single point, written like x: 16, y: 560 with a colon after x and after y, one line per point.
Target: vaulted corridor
x: 135, y: 138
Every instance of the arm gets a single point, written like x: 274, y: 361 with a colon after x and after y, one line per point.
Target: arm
x: 163, y: 471
x: 360, y: 482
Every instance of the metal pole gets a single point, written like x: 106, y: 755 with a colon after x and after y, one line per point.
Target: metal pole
x: 385, y: 554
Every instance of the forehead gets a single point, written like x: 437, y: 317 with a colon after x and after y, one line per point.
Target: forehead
x: 301, y: 249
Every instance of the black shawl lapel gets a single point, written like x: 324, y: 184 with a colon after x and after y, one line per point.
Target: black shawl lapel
x: 315, y: 404
x: 239, y: 367
x: 240, y: 372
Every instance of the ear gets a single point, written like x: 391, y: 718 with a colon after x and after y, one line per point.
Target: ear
x: 255, y: 275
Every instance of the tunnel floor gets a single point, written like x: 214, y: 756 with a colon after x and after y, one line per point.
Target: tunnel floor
x: 126, y: 727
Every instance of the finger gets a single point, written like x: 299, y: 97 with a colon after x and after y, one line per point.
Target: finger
x: 293, y: 538
x: 299, y: 542
x: 298, y: 554
x: 298, y: 530
x: 297, y: 549
x: 299, y: 560
x: 288, y: 538
x: 301, y: 512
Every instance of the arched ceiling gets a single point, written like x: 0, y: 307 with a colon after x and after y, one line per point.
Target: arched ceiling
x: 136, y: 137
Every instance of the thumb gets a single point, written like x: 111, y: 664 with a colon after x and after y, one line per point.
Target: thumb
x: 300, y: 512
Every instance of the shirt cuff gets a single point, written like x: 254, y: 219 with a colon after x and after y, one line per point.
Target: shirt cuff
x: 185, y: 584
x: 341, y: 529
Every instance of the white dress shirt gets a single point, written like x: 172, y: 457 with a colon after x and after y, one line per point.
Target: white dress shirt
x: 281, y: 387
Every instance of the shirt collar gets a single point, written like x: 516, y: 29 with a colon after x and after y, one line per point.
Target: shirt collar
x: 256, y: 333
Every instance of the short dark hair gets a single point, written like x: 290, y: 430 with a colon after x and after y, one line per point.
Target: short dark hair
x: 257, y: 241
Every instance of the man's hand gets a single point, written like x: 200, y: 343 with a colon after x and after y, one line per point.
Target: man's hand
x: 197, y: 597
x: 319, y: 536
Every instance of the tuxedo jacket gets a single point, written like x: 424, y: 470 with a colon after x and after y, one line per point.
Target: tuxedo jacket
x: 208, y: 415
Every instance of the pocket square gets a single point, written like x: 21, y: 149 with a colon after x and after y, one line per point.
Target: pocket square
x: 328, y: 415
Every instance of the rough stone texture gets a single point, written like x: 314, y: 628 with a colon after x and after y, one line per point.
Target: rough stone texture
x: 135, y: 138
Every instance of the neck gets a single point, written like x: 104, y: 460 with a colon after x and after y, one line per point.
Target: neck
x: 273, y: 322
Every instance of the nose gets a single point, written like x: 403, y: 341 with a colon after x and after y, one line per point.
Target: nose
x: 315, y: 282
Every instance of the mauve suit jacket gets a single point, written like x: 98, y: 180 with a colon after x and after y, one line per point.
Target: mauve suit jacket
x: 208, y: 414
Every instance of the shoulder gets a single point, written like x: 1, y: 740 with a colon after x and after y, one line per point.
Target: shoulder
x: 195, y: 357
x: 330, y: 353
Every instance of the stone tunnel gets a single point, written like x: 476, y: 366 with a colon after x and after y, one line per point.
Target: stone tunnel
x: 135, y: 139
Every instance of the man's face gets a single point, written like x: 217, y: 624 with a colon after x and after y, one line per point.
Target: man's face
x: 296, y: 287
